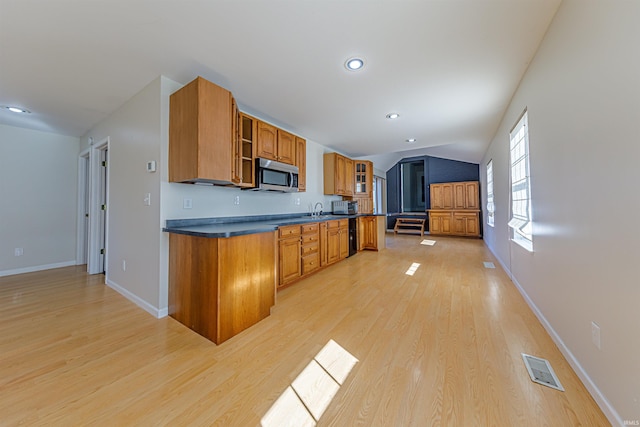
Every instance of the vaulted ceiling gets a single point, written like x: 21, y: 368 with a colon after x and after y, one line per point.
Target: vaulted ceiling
x: 447, y: 67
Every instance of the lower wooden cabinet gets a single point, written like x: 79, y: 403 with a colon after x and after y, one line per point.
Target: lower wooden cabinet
x: 368, y: 233
x: 289, y: 244
x: 457, y: 223
x: 337, y: 240
x: 219, y: 287
x: 440, y: 222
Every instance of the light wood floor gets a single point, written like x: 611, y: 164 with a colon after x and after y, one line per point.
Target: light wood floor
x: 441, y: 347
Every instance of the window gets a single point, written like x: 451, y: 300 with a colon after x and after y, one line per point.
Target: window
x: 412, y: 187
x: 520, y: 222
x: 490, y: 205
x: 378, y: 196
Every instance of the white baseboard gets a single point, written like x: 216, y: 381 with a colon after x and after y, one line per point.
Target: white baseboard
x: 604, y: 404
x: 36, y: 268
x: 155, y: 312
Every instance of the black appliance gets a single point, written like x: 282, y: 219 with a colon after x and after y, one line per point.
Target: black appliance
x: 353, y: 236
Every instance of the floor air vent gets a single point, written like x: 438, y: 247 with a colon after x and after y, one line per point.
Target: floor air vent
x: 541, y: 372
x: 488, y: 264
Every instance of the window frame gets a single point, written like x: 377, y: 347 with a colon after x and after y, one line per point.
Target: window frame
x: 491, y: 210
x: 520, y: 218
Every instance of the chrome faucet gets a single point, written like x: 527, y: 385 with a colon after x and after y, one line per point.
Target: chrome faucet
x: 314, y: 210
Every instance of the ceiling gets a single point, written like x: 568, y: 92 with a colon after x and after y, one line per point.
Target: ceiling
x: 448, y: 67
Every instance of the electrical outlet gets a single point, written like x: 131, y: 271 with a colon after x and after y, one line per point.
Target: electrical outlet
x: 187, y: 204
x: 297, y: 201
x: 147, y: 199
x: 595, y: 334
x: 124, y: 265
x: 236, y: 200
x: 18, y: 252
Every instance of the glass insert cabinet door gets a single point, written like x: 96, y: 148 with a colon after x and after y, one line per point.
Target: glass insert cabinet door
x: 361, y: 177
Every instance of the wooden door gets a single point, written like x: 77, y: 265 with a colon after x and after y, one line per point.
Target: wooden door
x: 370, y: 231
x: 340, y: 175
x: 286, y: 147
x: 350, y: 179
x: 323, y: 244
x: 344, y: 241
x: 267, y: 141
x: 459, y: 195
x: 289, y: 261
x: 333, y: 245
x: 301, y: 162
x: 472, y: 198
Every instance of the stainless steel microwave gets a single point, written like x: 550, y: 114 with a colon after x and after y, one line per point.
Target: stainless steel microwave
x: 276, y: 176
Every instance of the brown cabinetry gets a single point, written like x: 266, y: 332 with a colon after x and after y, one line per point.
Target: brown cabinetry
x: 337, y: 240
x: 363, y: 190
x: 310, y: 251
x: 368, y: 233
x: 338, y: 175
x: 244, y: 150
x: 301, y: 163
x: 220, y: 286
x: 201, y: 134
x: 455, y: 209
x: 289, y: 268
x: 275, y: 144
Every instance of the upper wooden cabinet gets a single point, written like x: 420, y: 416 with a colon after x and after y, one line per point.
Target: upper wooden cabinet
x: 276, y: 144
x: 244, y: 150
x: 201, y: 134
x: 338, y: 175
x: 455, y: 195
x: 441, y: 196
x: 465, y: 195
x: 301, y: 163
x: 364, y: 177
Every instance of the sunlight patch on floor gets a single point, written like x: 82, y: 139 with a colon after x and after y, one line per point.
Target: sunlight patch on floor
x: 428, y: 242
x: 412, y: 269
x: 488, y: 264
x: 304, y: 402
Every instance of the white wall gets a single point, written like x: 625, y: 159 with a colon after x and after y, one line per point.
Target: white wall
x: 38, y: 192
x: 134, y: 132
x: 582, y: 93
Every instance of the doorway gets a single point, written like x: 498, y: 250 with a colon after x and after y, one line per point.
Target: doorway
x: 93, y: 196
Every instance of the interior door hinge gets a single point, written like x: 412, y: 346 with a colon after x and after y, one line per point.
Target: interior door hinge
x: 104, y: 164
x: 103, y: 207
x: 102, y: 251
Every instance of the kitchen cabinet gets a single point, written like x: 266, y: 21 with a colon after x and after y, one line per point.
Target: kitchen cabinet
x: 439, y: 222
x: 323, y: 244
x: 218, y: 287
x: 310, y: 249
x: 368, y: 233
x: 275, y: 144
x: 365, y: 204
x: 337, y: 240
x: 338, y: 175
x: 244, y: 150
x: 466, y: 223
x: 301, y: 163
x: 441, y: 196
x: 465, y: 195
x: 201, y: 134
x: 455, y: 208
x: 289, y: 247
x: 363, y: 177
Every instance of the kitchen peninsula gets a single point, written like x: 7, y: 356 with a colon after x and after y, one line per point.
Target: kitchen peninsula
x: 224, y: 272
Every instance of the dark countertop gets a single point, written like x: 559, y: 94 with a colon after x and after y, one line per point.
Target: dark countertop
x: 238, y: 226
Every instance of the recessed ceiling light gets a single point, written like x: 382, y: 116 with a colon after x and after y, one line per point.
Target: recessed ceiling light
x: 393, y: 116
x: 411, y: 140
x: 17, y: 110
x: 354, y: 64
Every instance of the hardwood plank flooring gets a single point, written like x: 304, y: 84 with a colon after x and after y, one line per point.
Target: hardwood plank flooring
x: 438, y: 348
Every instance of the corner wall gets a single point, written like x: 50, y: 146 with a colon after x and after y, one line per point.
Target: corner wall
x: 582, y: 96
x: 38, y: 206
